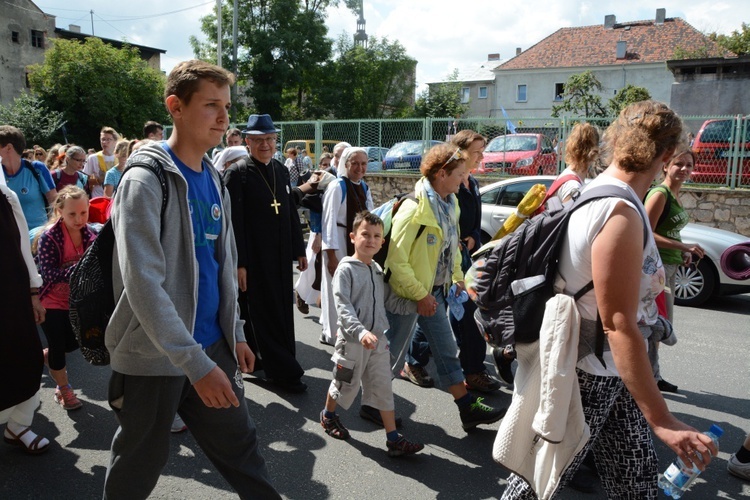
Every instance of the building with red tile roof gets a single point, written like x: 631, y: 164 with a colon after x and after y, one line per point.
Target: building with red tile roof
x: 529, y: 84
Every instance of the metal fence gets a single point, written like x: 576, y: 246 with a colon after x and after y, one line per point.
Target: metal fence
x: 720, y: 143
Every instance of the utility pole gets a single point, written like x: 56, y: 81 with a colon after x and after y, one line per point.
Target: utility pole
x: 218, y: 32
x: 92, y: 22
x: 234, y: 60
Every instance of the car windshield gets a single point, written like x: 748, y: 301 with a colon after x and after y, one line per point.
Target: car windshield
x: 508, y: 143
x: 406, y: 148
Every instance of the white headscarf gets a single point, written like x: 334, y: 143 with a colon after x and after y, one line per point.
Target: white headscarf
x: 348, y: 152
x: 229, y: 154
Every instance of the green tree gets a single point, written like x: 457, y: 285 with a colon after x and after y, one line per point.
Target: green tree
x: 283, y: 44
x: 441, y: 100
x: 579, y: 98
x: 738, y: 42
x: 94, y: 84
x: 28, y: 113
x: 626, y: 96
x: 372, y: 82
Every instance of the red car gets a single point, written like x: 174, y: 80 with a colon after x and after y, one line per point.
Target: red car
x: 716, y: 146
x: 519, y: 154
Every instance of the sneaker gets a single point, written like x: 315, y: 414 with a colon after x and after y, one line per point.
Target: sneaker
x: 737, y: 468
x: 373, y: 415
x: 403, y: 447
x: 65, y: 397
x: 178, y: 425
x: 665, y: 386
x: 503, y: 365
x: 481, y: 382
x: 333, y: 426
x: 479, y: 413
x: 301, y: 304
x: 417, y: 375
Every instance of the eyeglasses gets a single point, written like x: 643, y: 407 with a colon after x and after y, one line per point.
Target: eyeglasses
x: 79, y: 160
x: 38, y: 153
x: 454, y: 157
x: 261, y: 140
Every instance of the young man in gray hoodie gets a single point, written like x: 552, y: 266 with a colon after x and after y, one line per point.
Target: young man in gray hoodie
x: 168, y: 354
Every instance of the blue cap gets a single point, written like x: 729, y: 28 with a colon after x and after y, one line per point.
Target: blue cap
x: 716, y: 430
x: 260, y: 124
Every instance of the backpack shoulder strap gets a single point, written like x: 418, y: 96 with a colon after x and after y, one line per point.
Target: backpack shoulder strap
x: 611, y: 191
x: 38, y: 177
x: 143, y: 161
x: 102, y: 163
x: 342, y: 183
x: 557, y: 184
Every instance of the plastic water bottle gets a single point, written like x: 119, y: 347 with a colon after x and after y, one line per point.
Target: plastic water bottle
x: 678, y: 477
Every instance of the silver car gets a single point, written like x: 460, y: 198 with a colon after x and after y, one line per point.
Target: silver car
x: 694, y: 284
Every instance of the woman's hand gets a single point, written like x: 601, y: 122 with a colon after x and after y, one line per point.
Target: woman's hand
x: 685, y: 441
x: 427, y: 306
x: 689, y: 251
x: 317, y: 243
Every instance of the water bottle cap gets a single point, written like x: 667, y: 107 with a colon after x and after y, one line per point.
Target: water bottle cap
x: 716, y: 430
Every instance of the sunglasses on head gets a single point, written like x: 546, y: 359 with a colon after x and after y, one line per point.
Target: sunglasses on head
x: 455, y: 156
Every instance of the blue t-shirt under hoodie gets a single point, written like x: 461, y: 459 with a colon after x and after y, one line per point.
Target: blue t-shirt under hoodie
x: 204, y: 201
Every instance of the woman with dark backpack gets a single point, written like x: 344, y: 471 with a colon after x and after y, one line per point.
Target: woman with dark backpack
x: 619, y: 399
x: 70, y: 172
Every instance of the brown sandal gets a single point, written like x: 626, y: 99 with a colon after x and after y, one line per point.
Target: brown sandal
x: 33, y: 448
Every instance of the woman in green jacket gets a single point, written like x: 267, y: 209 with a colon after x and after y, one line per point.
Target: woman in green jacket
x: 424, y: 262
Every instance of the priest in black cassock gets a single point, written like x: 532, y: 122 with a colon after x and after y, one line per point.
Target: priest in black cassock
x: 269, y: 238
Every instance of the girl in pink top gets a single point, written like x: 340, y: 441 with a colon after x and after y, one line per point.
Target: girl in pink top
x: 59, y: 248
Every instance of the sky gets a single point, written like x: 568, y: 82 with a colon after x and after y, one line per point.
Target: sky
x: 440, y: 34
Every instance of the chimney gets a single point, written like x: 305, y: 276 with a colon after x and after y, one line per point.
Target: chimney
x: 609, y: 21
x: 74, y: 28
x: 493, y: 57
x: 661, y: 14
x: 622, y: 49
x: 518, y: 51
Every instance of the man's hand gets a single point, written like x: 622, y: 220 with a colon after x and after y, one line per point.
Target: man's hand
x: 470, y: 243
x: 245, y: 356
x: 369, y: 341
x: 215, y: 390
x: 39, y: 311
x: 242, y: 278
x: 333, y: 261
x: 427, y: 306
x: 317, y: 243
x: 302, y: 263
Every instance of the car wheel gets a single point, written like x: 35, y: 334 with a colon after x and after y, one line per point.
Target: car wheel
x: 694, y: 285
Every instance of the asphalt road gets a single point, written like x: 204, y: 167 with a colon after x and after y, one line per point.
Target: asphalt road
x: 710, y: 363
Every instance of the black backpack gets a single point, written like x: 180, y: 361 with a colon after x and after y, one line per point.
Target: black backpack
x: 531, y: 252
x: 92, y: 297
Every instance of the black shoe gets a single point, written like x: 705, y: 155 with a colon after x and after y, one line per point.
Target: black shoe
x: 323, y: 340
x: 665, y: 386
x: 290, y: 385
x: 373, y: 415
x: 301, y: 305
x: 479, y: 413
x: 503, y: 365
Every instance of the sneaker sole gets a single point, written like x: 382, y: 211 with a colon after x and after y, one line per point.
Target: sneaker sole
x: 408, y: 378
x: 484, y: 390
x: 740, y: 474
x: 470, y: 426
x: 402, y: 453
x: 68, y: 408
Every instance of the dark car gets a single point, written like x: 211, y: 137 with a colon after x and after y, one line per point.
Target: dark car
x: 715, y: 145
x: 407, y: 155
x: 519, y: 154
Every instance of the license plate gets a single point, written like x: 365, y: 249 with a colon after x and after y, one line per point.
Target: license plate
x: 402, y: 164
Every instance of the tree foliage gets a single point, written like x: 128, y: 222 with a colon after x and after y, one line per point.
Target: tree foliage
x: 579, y: 97
x: 626, y: 96
x: 94, y: 84
x: 738, y: 42
x: 441, y: 100
x: 376, y: 81
x: 287, y: 67
x: 28, y: 113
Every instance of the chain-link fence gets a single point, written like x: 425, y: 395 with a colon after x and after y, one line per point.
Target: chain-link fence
x: 516, y: 145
